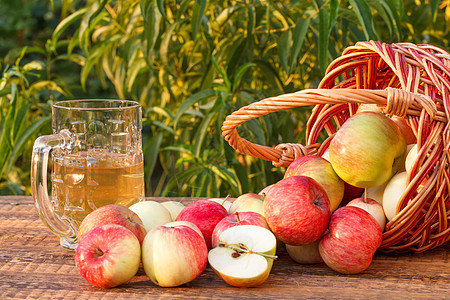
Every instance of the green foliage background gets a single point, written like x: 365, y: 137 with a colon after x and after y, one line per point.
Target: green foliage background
x: 189, y: 63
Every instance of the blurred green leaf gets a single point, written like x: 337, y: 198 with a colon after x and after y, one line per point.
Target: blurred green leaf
x: 191, y: 101
x: 64, y: 24
x: 364, y: 15
x: 23, y: 138
x: 203, y: 128
x: 151, y: 151
x: 301, y: 28
x: 197, y: 15
x: 323, y: 39
x: 284, y: 47
x: 240, y: 72
x: 152, y: 20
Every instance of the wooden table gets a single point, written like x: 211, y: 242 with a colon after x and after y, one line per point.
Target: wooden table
x: 33, y: 265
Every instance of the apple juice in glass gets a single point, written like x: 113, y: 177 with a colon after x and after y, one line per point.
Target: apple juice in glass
x: 96, y: 156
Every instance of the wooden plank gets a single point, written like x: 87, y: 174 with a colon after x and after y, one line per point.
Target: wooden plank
x: 33, y: 265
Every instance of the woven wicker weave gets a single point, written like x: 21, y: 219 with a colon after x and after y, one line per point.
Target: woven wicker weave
x: 407, y: 80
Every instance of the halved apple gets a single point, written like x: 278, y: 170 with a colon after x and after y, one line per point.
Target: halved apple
x: 244, y: 255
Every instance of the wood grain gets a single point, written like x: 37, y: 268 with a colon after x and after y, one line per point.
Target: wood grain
x: 33, y: 265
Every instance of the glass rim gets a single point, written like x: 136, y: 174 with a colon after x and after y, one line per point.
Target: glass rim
x: 65, y: 104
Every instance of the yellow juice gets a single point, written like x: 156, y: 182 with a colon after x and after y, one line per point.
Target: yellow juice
x: 82, y: 183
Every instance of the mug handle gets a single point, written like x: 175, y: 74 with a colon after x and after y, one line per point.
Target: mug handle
x: 39, y: 162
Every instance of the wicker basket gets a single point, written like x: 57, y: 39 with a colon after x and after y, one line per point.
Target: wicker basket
x: 411, y: 81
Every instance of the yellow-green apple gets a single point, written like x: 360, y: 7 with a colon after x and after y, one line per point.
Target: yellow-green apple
x: 406, y: 130
x: 205, y: 214
x: 393, y: 192
x: 237, y: 219
x: 321, y: 171
x: 297, y: 210
x: 223, y: 201
x: 185, y: 223
x: 353, y: 237
x: 152, y: 214
x: 305, y: 254
x: 108, y: 256
x: 247, y: 202
x: 411, y: 158
x: 374, y: 208
x: 244, y: 255
x: 350, y: 192
x: 113, y: 214
x: 174, y: 208
x: 367, y: 150
x: 174, y: 254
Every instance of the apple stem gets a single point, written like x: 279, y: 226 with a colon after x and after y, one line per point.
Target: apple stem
x: 98, y: 252
x: 237, y: 216
x: 241, y: 248
x: 266, y: 255
x: 226, y: 198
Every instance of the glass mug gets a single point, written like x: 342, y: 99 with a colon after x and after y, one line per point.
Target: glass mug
x: 96, y: 157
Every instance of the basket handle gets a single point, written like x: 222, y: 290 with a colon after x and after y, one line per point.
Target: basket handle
x: 395, y: 102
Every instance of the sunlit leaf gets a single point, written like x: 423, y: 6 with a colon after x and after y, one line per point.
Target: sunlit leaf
x: 152, y: 20
x: 64, y: 24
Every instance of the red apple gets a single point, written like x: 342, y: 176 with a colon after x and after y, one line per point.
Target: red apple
x: 367, y: 150
x: 353, y: 237
x: 350, y: 192
x: 174, y: 254
x: 374, y: 208
x: 319, y: 169
x: 264, y: 191
x: 108, y: 256
x: 205, y: 214
x: 238, y: 218
x: 113, y: 214
x: 297, y: 210
x: 406, y: 130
